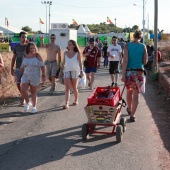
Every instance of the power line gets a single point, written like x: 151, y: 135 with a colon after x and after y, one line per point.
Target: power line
x: 93, y: 6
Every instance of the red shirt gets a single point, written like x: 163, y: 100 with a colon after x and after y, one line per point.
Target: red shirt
x: 92, y: 58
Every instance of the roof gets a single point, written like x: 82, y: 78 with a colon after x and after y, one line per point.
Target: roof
x: 9, y: 29
x: 81, y: 29
x: 87, y: 29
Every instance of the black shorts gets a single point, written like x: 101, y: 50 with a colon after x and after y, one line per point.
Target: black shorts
x: 114, y: 67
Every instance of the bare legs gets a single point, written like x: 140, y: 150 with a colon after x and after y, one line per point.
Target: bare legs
x: 22, y: 98
x: 52, y: 80
x: 114, y: 78
x: 90, y: 78
x: 70, y: 84
x: 132, y: 101
x: 24, y: 88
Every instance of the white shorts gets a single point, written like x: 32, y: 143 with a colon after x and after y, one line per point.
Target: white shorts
x: 71, y: 74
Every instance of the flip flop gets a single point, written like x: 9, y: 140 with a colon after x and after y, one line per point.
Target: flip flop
x: 65, y: 107
x: 75, y: 103
x: 132, y: 119
x: 129, y: 112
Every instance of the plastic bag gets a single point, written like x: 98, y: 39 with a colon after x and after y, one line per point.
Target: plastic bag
x: 82, y: 81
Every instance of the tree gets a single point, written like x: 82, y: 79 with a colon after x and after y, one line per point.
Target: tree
x: 27, y: 29
x: 135, y: 27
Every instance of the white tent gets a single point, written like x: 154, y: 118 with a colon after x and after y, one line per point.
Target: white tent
x: 10, y: 29
x: 86, y: 28
x: 81, y: 29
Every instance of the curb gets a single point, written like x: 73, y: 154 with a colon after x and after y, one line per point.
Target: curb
x: 163, y: 79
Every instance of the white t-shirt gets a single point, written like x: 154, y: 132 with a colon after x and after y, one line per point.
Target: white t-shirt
x: 114, y: 50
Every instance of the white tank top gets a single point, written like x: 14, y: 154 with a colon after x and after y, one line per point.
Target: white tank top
x: 72, y: 64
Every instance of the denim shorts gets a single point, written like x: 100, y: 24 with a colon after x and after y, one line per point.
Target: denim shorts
x: 89, y: 70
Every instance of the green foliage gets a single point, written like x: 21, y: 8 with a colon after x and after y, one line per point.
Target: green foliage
x: 27, y: 29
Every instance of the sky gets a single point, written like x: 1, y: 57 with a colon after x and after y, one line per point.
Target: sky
x: 21, y: 13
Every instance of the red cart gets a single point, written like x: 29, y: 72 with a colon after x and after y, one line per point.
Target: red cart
x: 104, y: 109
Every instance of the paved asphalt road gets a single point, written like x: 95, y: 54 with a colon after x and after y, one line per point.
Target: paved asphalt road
x: 51, y: 139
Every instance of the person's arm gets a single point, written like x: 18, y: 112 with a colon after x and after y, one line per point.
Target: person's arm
x: 59, y: 57
x: 86, y: 53
x: 80, y: 64
x: 13, y: 63
x: 98, y: 58
x: 63, y: 63
x: 125, y: 62
x: 145, y: 57
x: 1, y: 61
x: 42, y: 67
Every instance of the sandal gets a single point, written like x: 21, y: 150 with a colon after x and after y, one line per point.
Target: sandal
x: 75, y: 103
x: 65, y: 106
x: 132, y: 119
x: 129, y: 112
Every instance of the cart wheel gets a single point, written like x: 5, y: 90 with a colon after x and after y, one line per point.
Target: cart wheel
x: 119, y: 133
x: 123, y: 123
x: 85, y: 131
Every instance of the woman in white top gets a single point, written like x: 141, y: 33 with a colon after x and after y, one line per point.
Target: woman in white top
x: 72, y: 69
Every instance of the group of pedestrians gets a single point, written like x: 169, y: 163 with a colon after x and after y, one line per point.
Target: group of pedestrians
x: 30, y: 68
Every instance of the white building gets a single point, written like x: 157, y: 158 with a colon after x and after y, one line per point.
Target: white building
x: 63, y: 34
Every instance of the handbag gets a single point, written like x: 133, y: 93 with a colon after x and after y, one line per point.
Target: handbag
x: 85, y: 63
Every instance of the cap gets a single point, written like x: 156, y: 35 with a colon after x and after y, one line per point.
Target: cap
x: 91, y: 40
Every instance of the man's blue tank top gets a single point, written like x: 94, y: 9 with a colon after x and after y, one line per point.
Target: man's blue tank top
x: 135, y: 55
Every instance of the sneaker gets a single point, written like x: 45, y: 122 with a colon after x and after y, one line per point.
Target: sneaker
x: 51, y: 91
x: 116, y: 85
x: 112, y: 84
x: 27, y: 107
x: 33, y: 110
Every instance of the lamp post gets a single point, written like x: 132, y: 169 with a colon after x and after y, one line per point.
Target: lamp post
x: 50, y: 3
x: 155, y: 63
x: 46, y: 14
x: 47, y: 3
x: 143, y: 21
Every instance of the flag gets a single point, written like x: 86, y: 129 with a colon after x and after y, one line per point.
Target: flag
x: 6, y: 22
x: 41, y: 22
x: 108, y: 20
x: 74, y: 22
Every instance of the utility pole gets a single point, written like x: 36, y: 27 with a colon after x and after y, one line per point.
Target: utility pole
x: 46, y: 14
x: 143, y: 21
x: 50, y: 3
x: 155, y: 63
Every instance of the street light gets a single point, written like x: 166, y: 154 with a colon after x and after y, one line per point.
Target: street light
x: 47, y: 3
x: 143, y: 22
x: 50, y: 3
x: 46, y: 14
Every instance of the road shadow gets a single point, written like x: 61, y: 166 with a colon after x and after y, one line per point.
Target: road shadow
x: 33, y: 151
x: 159, y: 105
